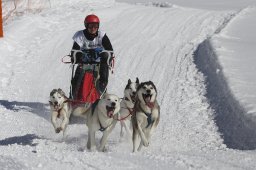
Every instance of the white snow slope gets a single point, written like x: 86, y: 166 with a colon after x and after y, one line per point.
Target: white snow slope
x: 202, y: 126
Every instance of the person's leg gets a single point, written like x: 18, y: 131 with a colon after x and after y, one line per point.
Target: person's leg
x: 76, y: 81
x: 104, y: 72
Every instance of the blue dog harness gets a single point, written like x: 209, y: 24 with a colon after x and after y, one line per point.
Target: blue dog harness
x: 149, y: 119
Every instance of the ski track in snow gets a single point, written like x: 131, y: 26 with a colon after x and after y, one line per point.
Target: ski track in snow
x: 143, y: 50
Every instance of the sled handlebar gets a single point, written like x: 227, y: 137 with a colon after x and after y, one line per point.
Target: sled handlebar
x: 75, y: 61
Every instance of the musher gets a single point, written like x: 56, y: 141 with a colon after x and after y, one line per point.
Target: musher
x: 96, y: 48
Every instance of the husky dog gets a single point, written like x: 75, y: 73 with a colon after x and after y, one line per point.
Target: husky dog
x: 101, y: 116
x: 60, y: 108
x: 127, y: 105
x: 146, y: 116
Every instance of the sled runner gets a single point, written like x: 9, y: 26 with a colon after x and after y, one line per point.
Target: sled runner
x: 84, y: 86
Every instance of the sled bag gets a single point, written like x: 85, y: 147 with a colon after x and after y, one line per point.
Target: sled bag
x: 87, y: 91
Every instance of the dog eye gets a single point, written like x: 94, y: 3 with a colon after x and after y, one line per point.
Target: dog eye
x: 151, y: 87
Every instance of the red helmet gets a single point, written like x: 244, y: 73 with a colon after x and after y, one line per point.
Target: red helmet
x: 91, y: 19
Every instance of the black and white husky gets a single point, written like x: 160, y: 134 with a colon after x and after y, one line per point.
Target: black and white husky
x: 127, y: 107
x: 146, y: 116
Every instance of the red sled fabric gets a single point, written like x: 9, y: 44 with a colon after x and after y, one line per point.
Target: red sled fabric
x: 88, y: 91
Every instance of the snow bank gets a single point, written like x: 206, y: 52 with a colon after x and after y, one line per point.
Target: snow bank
x: 238, y: 131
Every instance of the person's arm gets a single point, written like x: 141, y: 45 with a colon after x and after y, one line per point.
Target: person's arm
x: 78, y: 56
x: 106, y: 43
x: 108, y: 46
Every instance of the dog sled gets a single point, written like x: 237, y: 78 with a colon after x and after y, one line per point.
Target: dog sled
x: 84, y: 88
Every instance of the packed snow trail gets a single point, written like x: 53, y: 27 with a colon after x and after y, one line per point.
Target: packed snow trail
x: 162, y: 52
x: 156, y: 44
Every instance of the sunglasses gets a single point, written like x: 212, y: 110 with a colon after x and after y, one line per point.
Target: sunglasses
x: 90, y: 26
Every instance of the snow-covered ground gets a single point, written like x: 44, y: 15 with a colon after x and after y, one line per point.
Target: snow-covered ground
x: 200, y: 55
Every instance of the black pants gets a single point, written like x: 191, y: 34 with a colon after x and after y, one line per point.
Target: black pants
x: 103, y: 72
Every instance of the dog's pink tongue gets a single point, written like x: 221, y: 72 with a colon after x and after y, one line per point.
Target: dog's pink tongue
x: 147, y: 99
x: 110, y: 113
x: 150, y: 105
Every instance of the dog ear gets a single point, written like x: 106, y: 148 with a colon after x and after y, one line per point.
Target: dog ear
x: 105, y: 95
x: 153, y: 85
x: 61, y: 92
x: 137, y: 80
x: 129, y: 81
x: 53, y: 91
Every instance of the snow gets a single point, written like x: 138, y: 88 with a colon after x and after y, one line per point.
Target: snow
x: 198, y: 4
x: 199, y: 54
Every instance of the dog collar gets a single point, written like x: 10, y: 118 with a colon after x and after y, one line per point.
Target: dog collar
x: 102, y: 128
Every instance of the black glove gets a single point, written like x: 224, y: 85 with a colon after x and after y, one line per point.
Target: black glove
x: 76, y: 57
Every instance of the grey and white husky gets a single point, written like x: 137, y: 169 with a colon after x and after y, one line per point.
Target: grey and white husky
x: 146, y: 116
x: 60, y: 108
x: 127, y: 107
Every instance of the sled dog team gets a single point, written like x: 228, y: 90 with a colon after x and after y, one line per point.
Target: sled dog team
x: 138, y: 109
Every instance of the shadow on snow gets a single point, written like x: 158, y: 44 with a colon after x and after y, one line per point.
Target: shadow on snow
x: 237, y: 130
x: 20, y: 140
x: 40, y: 109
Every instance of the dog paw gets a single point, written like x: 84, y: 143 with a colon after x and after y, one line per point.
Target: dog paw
x: 146, y: 144
x: 58, y: 130
x: 103, y: 149
x: 93, y: 149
